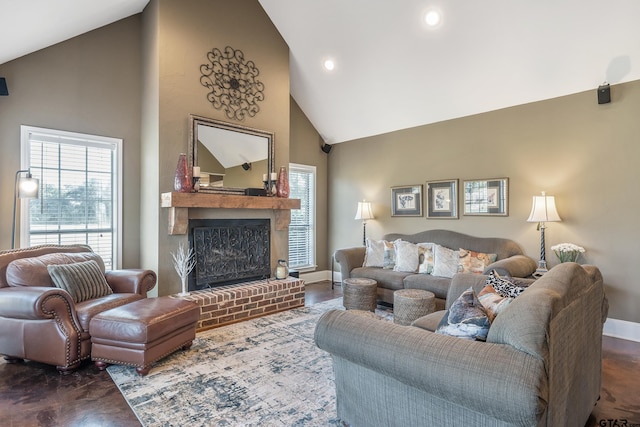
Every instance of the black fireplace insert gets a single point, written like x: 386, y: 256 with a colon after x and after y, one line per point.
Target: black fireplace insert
x: 229, y: 251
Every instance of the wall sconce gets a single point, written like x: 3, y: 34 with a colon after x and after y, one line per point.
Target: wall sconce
x: 246, y: 166
x: 364, y: 213
x: 326, y: 148
x: 24, y: 188
x: 543, y: 210
x: 4, y: 91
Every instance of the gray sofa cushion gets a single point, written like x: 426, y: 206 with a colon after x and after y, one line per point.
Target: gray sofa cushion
x: 438, y: 285
x: 429, y: 322
x: 391, y: 279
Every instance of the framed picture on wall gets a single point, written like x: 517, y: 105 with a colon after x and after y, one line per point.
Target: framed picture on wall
x: 486, y: 197
x: 442, y: 199
x: 406, y: 200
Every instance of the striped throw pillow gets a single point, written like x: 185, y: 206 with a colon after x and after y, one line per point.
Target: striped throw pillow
x: 83, y: 280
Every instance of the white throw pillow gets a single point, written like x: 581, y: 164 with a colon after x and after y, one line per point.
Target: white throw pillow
x: 374, y: 253
x: 406, y: 256
x: 445, y: 262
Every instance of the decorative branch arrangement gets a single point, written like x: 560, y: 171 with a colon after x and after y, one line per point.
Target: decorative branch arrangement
x: 184, y: 262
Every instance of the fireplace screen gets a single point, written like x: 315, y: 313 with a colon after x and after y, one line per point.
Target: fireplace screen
x: 229, y: 251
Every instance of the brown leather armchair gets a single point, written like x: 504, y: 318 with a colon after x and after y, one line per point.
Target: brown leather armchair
x: 43, y: 323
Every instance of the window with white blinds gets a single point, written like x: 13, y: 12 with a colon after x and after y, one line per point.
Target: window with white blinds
x: 79, y: 194
x: 302, y: 183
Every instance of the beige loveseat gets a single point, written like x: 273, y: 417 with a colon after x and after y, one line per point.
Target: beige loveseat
x: 41, y: 322
x: 540, y: 364
x: 510, y: 262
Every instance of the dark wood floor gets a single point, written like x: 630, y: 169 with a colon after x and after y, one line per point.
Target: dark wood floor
x: 32, y: 394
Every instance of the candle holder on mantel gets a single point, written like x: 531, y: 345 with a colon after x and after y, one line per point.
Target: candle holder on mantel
x: 269, y: 181
x: 196, y: 178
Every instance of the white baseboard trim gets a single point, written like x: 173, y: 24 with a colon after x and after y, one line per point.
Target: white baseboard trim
x: 622, y: 329
x: 315, y: 276
x: 318, y: 276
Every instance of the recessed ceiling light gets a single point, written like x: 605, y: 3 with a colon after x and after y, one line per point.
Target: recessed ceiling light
x: 329, y: 65
x: 432, y: 18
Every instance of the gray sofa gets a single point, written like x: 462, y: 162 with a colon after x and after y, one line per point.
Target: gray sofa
x: 540, y: 365
x: 510, y: 262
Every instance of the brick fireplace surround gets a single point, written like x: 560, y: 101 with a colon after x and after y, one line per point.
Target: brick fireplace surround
x: 234, y: 303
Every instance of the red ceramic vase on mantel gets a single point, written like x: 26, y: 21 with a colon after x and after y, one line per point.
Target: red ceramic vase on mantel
x: 182, y: 180
x: 282, y: 186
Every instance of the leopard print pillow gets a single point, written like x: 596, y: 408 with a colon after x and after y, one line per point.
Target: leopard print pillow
x: 505, y: 286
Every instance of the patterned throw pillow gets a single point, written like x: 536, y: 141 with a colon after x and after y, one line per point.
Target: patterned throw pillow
x: 505, y: 286
x: 83, y: 280
x: 466, y: 318
x: 374, y: 253
x: 474, y: 262
x: 389, y: 256
x: 407, y: 256
x: 425, y: 258
x: 493, y: 302
x: 446, y: 261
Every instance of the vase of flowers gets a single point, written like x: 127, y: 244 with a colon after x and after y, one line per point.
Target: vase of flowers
x: 184, y: 261
x: 567, y: 252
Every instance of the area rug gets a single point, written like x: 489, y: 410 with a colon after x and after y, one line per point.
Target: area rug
x: 261, y: 372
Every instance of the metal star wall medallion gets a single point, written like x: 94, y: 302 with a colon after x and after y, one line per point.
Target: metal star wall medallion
x: 232, y: 83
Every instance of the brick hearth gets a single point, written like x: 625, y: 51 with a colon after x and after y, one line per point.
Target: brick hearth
x: 234, y: 303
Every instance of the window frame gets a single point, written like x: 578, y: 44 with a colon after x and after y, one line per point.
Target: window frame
x: 313, y: 171
x: 117, y: 172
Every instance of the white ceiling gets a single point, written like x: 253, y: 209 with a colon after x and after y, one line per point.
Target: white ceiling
x: 31, y: 25
x: 392, y: 72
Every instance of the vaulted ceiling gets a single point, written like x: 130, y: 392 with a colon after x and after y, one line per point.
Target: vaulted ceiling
x: 392, y: 71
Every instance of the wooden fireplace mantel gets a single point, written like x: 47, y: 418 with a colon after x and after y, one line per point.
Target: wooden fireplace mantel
x: 180, y: 203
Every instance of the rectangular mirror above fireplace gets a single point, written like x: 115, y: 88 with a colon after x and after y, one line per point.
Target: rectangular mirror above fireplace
x: 231, y: 157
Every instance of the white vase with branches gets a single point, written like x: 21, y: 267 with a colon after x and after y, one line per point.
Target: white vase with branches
x: 184, y: 261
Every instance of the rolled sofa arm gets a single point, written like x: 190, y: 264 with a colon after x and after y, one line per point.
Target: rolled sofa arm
x: 514, y: 266
x: 453, y: 369
x: 349, y: 258
x: 136, y: 281
x: 35, y: 303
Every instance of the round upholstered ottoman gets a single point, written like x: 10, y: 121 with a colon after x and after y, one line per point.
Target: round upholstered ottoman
x: 359, y: 294
x: 411, y: 304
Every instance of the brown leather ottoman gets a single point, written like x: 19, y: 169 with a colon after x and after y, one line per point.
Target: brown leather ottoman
x: 142, y: 332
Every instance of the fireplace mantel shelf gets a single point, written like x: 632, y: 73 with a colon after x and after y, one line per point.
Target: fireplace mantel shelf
x: 180, y: 203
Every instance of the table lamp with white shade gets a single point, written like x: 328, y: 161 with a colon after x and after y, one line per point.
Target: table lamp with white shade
x: 364, y: 213
x: 543, y: 210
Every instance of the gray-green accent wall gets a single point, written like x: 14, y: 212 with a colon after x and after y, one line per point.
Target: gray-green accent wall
x: 89, y: 84
x: 582, y: 153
